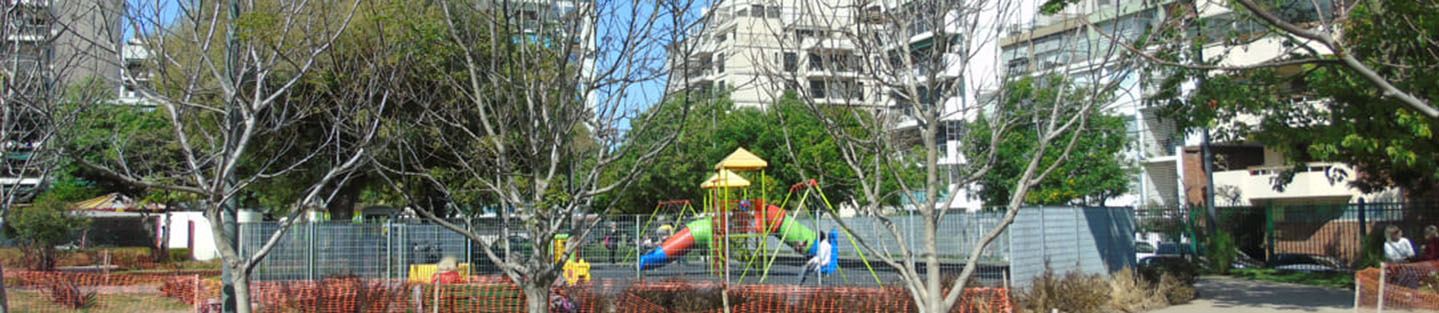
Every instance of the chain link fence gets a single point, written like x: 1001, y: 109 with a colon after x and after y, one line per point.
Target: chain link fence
x: 394, y: 250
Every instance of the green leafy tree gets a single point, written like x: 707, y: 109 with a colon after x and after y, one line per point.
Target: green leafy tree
x: 40, y: 227
x: 1331, y: 110
x: 786, y: 134
x: 1095, y: 169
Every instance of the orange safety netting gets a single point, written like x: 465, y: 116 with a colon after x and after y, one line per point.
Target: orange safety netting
x: 1404, y: 286
x: 28, y: 291
x: 72, y: 292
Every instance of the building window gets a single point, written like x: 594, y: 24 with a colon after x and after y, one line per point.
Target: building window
x: 720, y: 87
x: 741, y: 12
x: 816, y: 89
x: 816, y: 62
x: 758, y: 10
x: 791, y: 62
x: 719, y: 62
x: 773, y: 12
x: 721, y: 37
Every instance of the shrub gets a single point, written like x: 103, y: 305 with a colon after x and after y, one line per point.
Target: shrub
x: 1130, y: 292
x: 1174, y: 290
x: 685, y: 297
x: 1371, y: 250
x: 1222, y: 252
x: 1074, y: 293
x: 40, y: 227
x: 179, y: 254
x: 66, y: 293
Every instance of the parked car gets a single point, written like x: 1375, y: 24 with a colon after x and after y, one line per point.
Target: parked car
x: 1143, y: 250
x: 1154, y: 267
x: 1305, y: 263
x: 1174, y: 249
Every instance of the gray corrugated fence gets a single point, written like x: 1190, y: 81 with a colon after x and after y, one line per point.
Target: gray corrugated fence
x: 1088, y: 240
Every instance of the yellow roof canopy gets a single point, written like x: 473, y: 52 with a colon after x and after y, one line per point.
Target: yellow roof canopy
x: 743, y: 160
x: 725, y: 179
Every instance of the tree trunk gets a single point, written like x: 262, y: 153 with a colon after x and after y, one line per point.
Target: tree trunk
x: 537, y: 298
x: 4, y: 304
x: 342, y: 208
x: 242, y: 290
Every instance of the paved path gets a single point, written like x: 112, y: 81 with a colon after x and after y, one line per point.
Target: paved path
x: 1230, y: 295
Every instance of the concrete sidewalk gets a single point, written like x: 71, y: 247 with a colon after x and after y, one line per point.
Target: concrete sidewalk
x: 1230, y: 295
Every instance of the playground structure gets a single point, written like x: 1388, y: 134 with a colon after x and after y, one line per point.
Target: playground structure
x: 734, y: 223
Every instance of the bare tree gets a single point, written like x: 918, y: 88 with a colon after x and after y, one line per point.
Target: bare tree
x: 532, y: 121
x: 226, y: 75
x: 911, y: 73
x: 1309, y: 32
x: 52, y: 68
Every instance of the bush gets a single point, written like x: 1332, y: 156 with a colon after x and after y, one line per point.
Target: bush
x: 66, y: 293
x: 40, y: 227
x: 1130, y: 292
x: 1222, y: 252
x: 1074, y: 293
x: 1175, y: 290
x: 179, y: 254
x: 1371, y: 250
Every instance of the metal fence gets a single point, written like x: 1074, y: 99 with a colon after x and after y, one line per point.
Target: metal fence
x: 1310, y: 233
x: 1065, y: 239
x: 388, y: 250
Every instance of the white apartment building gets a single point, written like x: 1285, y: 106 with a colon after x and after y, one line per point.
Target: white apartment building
x: 48, y: 45
x: 1167, y: 159
x: 755, y: 50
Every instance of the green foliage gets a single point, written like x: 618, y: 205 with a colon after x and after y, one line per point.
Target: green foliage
x: 1371, y: 250
x: 70, y: 189
x: 41, y: 226
x: 1359, y: 125
x: 1335, y: 279
x: 1221, y: 251
x: 1094, y: 171
x: 716, y: 128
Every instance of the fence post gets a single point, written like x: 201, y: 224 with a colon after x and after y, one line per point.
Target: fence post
x: 469, y: 244
x: 1363, y: 221
x: 1269, y: 231
x: 1383, y: 269
x: 310, y: 252
x: 389, y: 231
x: 636, y: 241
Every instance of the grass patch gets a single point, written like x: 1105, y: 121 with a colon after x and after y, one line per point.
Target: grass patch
x: 22, y: 301
x: 1343, y: 280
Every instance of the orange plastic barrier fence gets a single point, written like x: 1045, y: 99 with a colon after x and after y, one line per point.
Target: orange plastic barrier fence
x: 28, y: 291
x: 1404, y: 286
x: 74, y: 292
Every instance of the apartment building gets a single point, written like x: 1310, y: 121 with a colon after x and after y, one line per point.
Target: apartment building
x: 1167, y: 159
x: 756, y: 50
x: 49, y: 45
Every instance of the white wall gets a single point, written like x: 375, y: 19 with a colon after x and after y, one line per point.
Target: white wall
x: 204, y: 239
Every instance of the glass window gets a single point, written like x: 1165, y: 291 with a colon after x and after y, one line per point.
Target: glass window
x: 791, y: 61
x: 719, y: 62
x: 741, y: 12
x: 773, y: 12
x: 757, y: 9
x: 816, y: 89
x: 816, y: 62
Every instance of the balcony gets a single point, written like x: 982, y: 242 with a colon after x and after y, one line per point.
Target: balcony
x: 818, y: 45
x: 32, y: 33
x: 1311, y: 184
